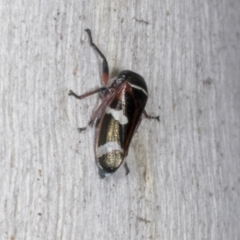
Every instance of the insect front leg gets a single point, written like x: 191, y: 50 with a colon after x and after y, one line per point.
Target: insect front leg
x: 71, y: 93
x: 105, y: 71
x: 102, y: 90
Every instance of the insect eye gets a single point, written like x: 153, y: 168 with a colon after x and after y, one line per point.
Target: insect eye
x: 118, y: 81
x: 104, y: 91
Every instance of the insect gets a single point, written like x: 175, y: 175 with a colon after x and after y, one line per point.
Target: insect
x: 117, y: 117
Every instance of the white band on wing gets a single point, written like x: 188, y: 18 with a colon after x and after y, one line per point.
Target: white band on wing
x: 107, y: 148
x: 118, y: 115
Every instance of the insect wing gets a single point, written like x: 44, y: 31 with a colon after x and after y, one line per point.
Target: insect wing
x: 116, y: 128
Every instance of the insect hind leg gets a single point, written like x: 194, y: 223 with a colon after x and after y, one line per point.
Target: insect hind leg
x: 127, y: 170
x: 151, y: 117
x: 105, y: 71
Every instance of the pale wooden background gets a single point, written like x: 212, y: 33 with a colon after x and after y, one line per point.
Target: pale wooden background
x: 185, y: 170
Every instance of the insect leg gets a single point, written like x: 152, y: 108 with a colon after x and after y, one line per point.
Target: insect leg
x: 127, y: 171
x: 105, y: 71
x: 97, y: 113
x: 99, y: 110
x: 71, y: 93
x: 150, y: 117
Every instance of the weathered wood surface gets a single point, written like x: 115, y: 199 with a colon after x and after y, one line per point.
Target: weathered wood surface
x: 185, y: 170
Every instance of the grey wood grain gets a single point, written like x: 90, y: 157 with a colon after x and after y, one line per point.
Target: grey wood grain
x: 184, y: 179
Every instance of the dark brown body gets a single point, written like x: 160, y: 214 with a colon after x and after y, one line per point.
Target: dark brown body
x: 119, y: 121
